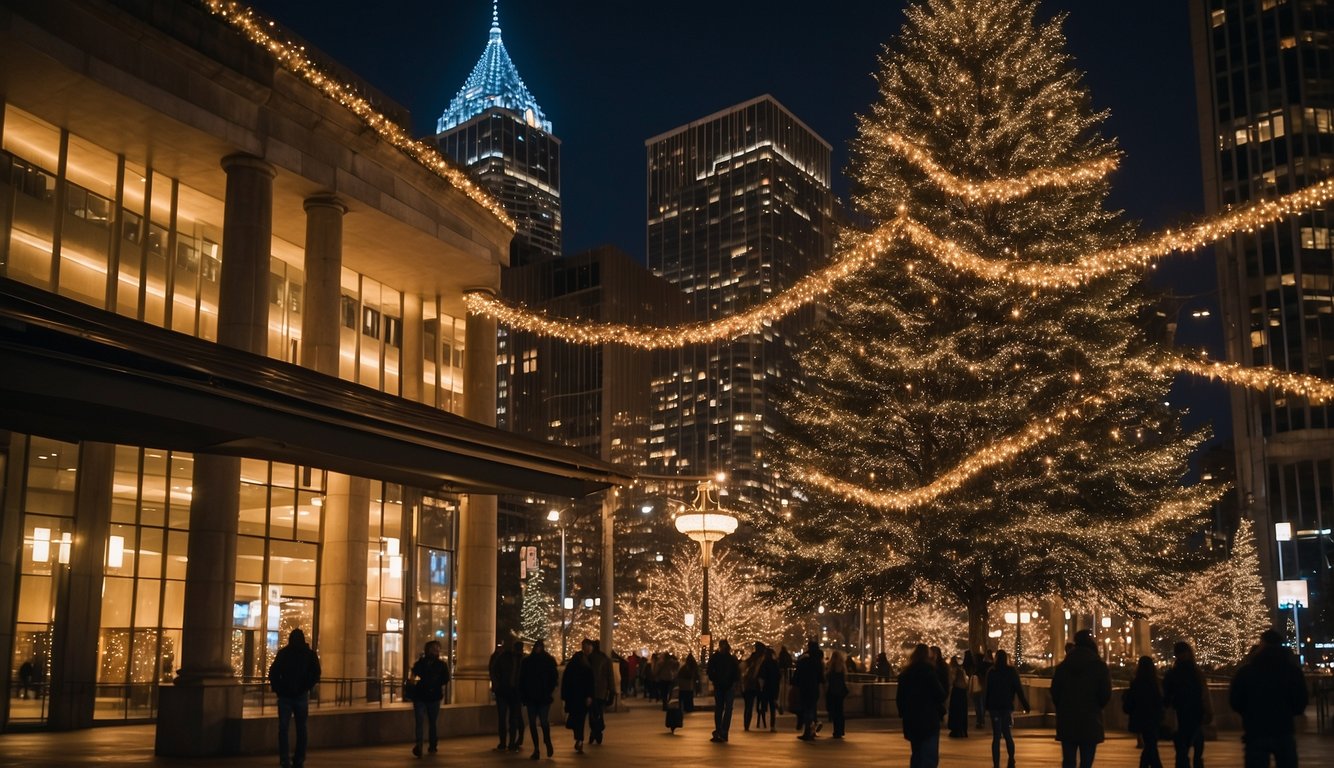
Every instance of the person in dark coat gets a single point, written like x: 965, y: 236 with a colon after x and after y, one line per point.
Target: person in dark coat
x: 769, y: 687
x: 1002, y: 688
x: 1080, y: 687
x: 538, y: 679
x: 921, y: 701
x: 881, y: 669
x: 432, y: 675
x: 687, y: 677
x: 958, y: 700
x: 807, y: 677
x: 504, y: 671
x: 604, y: 691
x: 836, y: 690
x: 1143, y: 703
x: 294, y: 672
x: 27, y: 672
x: 576, y: 690
x: 785, y: 665
x: 725, y: 674
x: 1268, y: 692
x: 750, y: 687
x: 1185, y: 691
x: 978, y: 687
x: 942, y: 669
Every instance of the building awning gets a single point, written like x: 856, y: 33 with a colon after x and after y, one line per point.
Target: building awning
x: 73, y: 372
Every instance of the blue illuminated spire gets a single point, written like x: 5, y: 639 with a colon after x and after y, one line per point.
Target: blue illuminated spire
x: 494, y: 82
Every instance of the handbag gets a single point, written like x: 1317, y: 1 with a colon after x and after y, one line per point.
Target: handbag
x: 409, y: 690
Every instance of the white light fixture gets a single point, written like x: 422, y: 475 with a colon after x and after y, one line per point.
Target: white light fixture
x: 569, y: 603
x: 1282, y: 531
x: 116, y: 552
x: 554, y: 516
x: 393, y: 625
x: 690, y: 619
x: 994, y: 634
x: 66, y: 540
x: 41, y: 545
x: 1106, y: 622
x: 588, y: 602
x: 646, y: 509
x: 1011, y: 617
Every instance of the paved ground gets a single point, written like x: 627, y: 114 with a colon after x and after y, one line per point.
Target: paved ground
x: 635, y: 738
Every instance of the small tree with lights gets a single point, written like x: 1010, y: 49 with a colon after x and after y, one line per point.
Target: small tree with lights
x: 535, y: 614
x: 920, y: 365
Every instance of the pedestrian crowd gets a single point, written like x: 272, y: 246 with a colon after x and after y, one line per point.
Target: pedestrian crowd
x: 1268, y: 691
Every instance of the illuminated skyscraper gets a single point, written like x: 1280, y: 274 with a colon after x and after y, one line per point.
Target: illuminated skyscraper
x: 1265, y: 77
x: 739, y: 208
x: 495, y: 128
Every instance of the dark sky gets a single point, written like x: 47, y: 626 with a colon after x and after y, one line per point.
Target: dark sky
x: 611, y: 74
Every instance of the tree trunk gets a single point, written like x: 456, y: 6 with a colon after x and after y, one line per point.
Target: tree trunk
x: 977, y: 621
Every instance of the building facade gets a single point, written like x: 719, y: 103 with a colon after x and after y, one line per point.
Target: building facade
x: 596, y: 399
x: 242, y: 393
x: 739, y: 209
x: 1265, y: 83
x: 496, y: 129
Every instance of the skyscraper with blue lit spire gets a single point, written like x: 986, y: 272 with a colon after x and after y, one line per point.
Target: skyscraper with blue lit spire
x: 495, y: 128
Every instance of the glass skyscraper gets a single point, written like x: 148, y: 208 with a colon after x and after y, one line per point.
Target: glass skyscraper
x: 1265, y: 79
x: 739, y: 208
x: 495, y: 128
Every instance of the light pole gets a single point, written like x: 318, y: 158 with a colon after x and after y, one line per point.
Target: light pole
x: 1018, y: 618
x: 705, y: 521
x: 554, y: 516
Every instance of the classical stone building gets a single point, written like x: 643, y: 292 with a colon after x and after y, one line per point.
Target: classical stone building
x: 241, y: 392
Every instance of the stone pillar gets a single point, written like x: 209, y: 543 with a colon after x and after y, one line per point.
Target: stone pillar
x: 414, y: 351
x: 194, y: 713
x: 343, y: 559
x: 320, y: 335
x: 78, y: 615
x: 1141, y: 640
x: 476, y: 612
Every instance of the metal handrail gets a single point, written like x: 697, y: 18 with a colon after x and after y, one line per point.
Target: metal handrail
x: 330, y: 693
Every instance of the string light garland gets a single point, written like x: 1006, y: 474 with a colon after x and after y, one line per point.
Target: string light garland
x: 1247, y: 218
x: 1314, y: 389
x: 293, y: 58
x: 753, y: 320
x: 998, y: 452
x: 997, y: 190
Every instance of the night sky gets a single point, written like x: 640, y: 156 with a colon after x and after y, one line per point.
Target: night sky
x: 611, y: 74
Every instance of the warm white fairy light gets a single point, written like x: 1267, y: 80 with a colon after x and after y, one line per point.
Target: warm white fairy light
x: 293, y: 58
x: 1311, y: 388
x: 805, y: 291
x: 996, y: 190
x: 1247, y: 219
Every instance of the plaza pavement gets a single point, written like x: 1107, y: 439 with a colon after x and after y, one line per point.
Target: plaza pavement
x: 634, y: 738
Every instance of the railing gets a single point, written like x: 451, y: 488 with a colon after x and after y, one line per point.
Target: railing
x: 1322, y: 690
x: 331, y: 693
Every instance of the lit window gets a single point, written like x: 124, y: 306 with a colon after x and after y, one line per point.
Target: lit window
x: 1219, y: 18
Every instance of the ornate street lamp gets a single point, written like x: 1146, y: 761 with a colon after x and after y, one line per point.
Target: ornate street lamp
x: 705, y: 521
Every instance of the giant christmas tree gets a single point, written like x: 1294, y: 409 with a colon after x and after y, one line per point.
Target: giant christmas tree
x: 921, y: 365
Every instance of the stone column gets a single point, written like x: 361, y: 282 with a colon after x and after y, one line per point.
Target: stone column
x: 476, y: 612
x: 343, y: 559
x: 320, y: 335
x: 414, y: 352
x: 194, y: 713
x: 78, y: 615
x: 1056, y: 628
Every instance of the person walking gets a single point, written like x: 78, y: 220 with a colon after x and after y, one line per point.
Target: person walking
x: 504, y: 671
x: 881, y: 669
x: 725, y: 675
x: 667, y: 669
x: 576, y: 690
x: 294, y: 672
x: 687, y: 677
x: 1143, y: 704
x: 807, y: 678
x: 432, y: 675
x: 27, y: 671
x: 1080, y: 687
x: 750, y: 686
x: 921, y: 702
x: 785, y: 665
x: 1186, y: 692
x: 769, y: 687
x: 958, y: 704
x: 977, y: 687
x: 1268, y: 691
x: 604, y: 692
x: 1002, y: 688
x: 836, y: 690
x: 538, y: 679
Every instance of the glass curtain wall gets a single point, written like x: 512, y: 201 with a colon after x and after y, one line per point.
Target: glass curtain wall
x: 385, y: 561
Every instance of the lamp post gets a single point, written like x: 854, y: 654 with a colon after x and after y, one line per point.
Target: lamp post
x: 1018, y: 618
x: 554, y: 516
x: 706, y: 522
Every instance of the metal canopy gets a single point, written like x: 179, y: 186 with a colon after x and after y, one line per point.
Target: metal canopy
x: 74, y: 372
